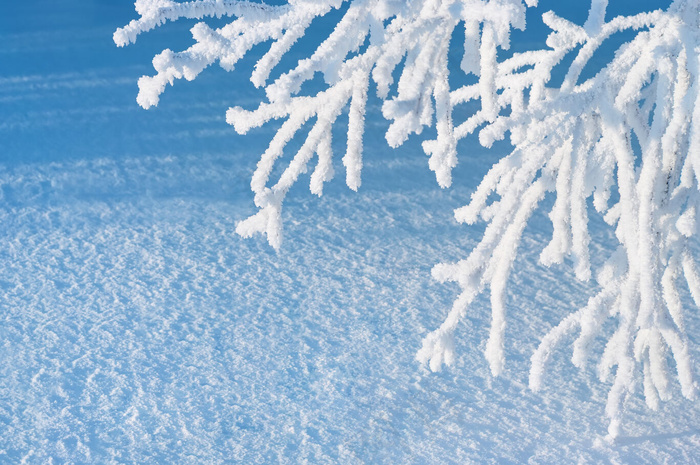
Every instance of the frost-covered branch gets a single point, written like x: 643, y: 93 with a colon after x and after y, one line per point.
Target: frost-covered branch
x: 577, y: 141
x: 370, y: 41
x: 627, y: 138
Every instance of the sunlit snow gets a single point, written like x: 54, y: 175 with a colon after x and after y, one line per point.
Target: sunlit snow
x: 137, y: 327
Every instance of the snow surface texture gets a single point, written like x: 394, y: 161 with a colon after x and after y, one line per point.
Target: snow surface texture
x: 135, y: 327
x: 575, y: 139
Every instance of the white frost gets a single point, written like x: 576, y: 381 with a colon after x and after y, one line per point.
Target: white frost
x: 574, y: 140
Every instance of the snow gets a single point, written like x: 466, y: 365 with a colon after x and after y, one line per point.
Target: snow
x: 137, y: 327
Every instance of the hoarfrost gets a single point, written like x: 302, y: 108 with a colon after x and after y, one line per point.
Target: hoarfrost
x: 574, y: 140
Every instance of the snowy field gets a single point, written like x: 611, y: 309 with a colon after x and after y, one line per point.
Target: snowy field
x: 137, y: 327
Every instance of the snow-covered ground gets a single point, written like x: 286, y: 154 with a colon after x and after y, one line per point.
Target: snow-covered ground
x: 137, y: 327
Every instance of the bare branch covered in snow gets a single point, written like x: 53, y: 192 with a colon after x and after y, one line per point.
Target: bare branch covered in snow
x: 627, y: 138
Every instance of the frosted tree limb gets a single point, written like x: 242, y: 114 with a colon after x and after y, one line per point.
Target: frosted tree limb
x: 627, y: 138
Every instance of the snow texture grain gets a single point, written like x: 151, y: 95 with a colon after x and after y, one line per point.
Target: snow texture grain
x: 137, y: 327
